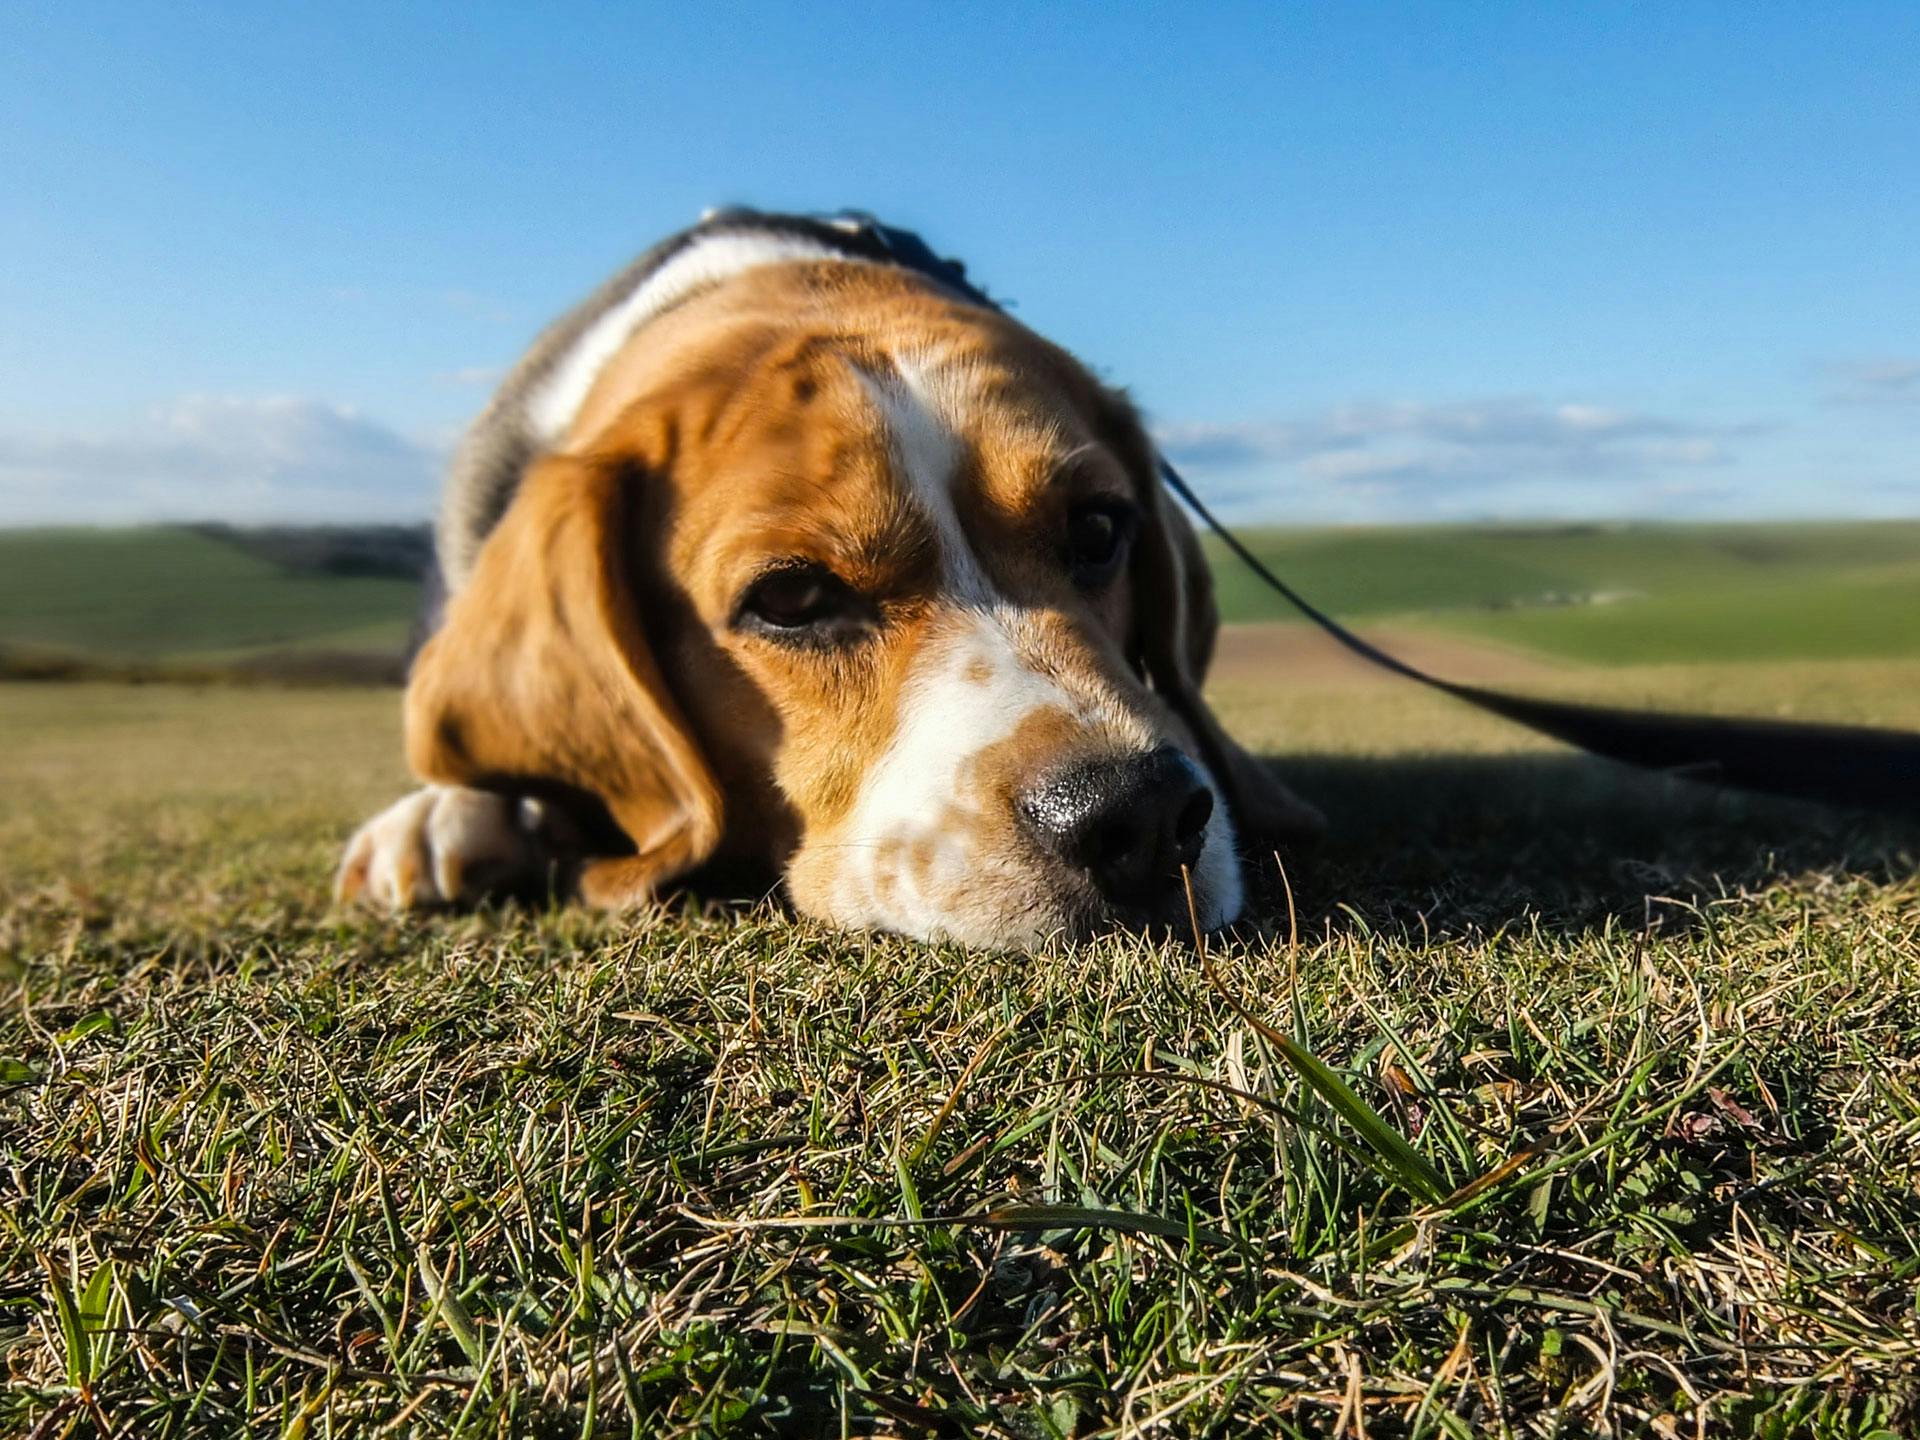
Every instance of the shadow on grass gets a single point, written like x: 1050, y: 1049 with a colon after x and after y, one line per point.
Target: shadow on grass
x: 1456, y: 844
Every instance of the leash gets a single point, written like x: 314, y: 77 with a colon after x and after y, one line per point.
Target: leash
x: 1837, y: 764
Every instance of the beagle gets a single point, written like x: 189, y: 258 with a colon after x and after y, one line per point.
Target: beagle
x: 780, y: 552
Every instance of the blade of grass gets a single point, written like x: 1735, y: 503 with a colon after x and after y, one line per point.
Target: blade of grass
x: 1014, y: 1217
x: 1396, y: 1155
x: 448, y: 1305
x: 73, y: 1331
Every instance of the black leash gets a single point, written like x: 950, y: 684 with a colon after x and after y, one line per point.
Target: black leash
x: 1838, y: 764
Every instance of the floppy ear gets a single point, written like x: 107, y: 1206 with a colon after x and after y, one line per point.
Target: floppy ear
x: 1175, y: 624
x: 542, y: 673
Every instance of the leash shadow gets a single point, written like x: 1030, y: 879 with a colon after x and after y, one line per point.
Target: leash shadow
x: 1454, y: 845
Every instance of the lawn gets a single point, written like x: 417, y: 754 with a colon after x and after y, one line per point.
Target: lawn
x: 273, y: 1170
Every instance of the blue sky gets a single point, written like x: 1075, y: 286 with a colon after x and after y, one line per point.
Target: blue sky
x: 1358, y: 263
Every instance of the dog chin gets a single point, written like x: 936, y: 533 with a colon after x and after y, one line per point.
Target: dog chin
x: 1090, y: 922
x: 1074, y: 913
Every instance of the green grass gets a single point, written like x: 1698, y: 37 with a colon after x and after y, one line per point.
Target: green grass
x: 266, y: 1169
x: 1615, y: 595
x: 1854, y: 616
x: 175, y: 594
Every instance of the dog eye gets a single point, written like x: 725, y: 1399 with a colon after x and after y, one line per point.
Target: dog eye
x: 1097, y: 536
x: 803, y: 603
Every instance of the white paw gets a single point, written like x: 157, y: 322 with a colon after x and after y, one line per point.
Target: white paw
x: 448, y: 845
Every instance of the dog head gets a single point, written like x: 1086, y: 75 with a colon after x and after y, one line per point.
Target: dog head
x: 841, y: 573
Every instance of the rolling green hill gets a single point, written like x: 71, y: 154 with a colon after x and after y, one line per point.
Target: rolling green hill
x: 1612, y: 595
x: 177, y: 594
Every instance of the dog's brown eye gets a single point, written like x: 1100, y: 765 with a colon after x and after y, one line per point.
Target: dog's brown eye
x: 803, y: 603
x: 1097, y: 536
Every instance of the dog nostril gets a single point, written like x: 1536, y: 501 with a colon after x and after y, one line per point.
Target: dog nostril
x: 1112, y: 843
x: 1190, y: 825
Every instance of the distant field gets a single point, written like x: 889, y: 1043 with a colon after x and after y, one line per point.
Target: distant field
x: 1611, y: 595
x: 176, y: 594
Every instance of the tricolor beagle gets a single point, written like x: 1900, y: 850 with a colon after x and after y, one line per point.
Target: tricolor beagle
x: 780, y: 551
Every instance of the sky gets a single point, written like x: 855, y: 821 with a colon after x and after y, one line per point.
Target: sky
x: 1357, y: 263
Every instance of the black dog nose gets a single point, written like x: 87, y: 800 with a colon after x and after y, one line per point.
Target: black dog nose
x: 1130, y: 823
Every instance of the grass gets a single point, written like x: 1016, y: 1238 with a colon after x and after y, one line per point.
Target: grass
x: 178, y: 594
x: 272, y: 1170
x: 186, y: 602
x: 1613, y: 595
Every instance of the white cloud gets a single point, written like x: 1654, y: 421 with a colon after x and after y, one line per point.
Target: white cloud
x: 1510, y: 455
x: 251, y: 459
x: 471, y: 375
x: 1887, y: 380
x: 239, y: 458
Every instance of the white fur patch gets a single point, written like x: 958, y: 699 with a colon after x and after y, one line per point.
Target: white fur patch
x: 447, y: 844
x: 974, y: 694
x: 554, y: 404
x: 1219, y: 893
x: 970, y: 692
x: 922, y: 408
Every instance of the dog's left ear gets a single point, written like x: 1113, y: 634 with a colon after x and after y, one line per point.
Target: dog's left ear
x: 1175, y: 624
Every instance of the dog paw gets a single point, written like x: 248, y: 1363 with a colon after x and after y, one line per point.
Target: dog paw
x: 448, y: 845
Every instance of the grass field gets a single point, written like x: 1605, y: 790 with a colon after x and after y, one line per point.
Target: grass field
x: 1614, y: 595
x: 271, y: 1170
x: 174, y: 594
x: 1607, y: 594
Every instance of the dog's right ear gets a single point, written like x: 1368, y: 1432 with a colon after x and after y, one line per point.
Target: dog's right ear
x: 543, y: 673
x: 1176, y: 623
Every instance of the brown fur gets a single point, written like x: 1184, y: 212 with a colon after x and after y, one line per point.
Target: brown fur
x: 591, y: 645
